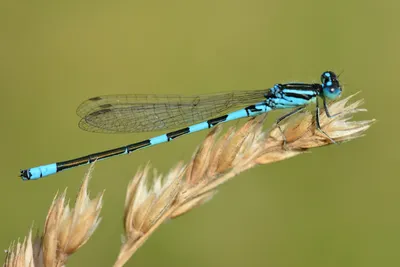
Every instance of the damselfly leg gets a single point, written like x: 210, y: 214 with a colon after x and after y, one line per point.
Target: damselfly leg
x: 287, y: 115
x: 317, y: 121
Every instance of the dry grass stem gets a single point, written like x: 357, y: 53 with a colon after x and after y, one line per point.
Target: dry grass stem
x: 219, y: 159
x: 65, y: 231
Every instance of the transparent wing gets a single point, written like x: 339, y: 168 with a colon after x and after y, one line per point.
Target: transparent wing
x: 145, y: 113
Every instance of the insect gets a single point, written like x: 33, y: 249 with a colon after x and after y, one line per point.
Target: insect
x: 145, y: 113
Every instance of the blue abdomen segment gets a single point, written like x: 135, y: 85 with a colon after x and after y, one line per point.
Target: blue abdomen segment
x: 39, y: 172
x: 198, y: 127
x: 158, y: 140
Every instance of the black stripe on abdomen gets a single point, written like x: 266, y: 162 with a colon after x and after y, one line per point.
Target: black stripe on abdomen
x: 90, y: 158
x: 215, y: 121
x: 175, y: 134
x: 138, y: 145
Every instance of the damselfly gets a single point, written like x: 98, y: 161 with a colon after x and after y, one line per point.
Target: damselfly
x: 145, y: 113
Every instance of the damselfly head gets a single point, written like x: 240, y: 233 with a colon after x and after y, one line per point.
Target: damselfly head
x: 330, y: 85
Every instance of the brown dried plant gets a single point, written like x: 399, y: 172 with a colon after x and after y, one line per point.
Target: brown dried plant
x: 65, y: 231
x: 219, y: 159
x: 185, y: 187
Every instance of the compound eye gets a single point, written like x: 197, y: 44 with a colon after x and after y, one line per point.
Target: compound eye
x: 328, y: 76
x: 331, y: 89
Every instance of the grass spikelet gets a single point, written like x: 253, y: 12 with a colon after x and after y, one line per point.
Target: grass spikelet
x: 23, y: 254
x: 146, y: 208
x: 197, y: 168
x: 65, y: 231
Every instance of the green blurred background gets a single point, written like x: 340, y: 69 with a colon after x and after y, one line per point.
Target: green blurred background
x: 337, y: 206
